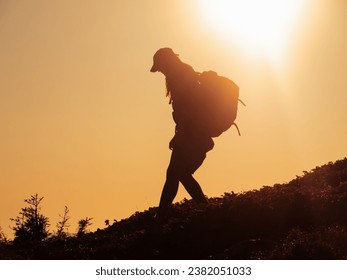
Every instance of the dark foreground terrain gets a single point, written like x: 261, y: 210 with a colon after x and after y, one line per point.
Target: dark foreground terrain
x: 303, y: 219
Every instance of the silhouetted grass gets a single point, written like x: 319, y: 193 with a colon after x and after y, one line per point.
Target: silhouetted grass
x: 303, y: 219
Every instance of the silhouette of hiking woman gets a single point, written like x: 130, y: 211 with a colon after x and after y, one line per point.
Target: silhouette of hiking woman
x: 190, y: 143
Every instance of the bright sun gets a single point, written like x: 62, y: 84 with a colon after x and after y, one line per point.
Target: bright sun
x: 259, y: 27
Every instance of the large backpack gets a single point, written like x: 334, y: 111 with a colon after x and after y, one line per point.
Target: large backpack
x: 218, y: 99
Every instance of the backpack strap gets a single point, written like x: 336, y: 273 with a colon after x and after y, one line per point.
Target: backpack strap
x: 238, y: 130
x: 243, y: 103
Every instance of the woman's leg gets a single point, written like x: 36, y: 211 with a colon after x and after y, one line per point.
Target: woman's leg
x: 167, y: 196
x: 193, y: 188
x: 194, y: 158
x: 170, y: 188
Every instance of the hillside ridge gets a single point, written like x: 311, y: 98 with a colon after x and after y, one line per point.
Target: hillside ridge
x: 302, y: 219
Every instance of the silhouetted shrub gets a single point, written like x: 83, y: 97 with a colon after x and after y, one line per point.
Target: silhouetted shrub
x: 63, y: 225
x: 3, y: 238
x: 83, y: 224
x: 31, y: 225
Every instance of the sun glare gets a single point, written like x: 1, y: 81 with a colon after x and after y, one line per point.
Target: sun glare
x: 259, y: 27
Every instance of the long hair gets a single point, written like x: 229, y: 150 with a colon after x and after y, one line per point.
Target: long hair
x: 182, y: 74
x: 168, y: 90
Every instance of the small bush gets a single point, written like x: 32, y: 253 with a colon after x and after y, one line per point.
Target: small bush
x: 31, y: 225
x: 83, y: 224
x: 3, y: 238
x: 63, y: 225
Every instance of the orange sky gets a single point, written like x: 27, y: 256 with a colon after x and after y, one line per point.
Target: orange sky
x: 85, y: 124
